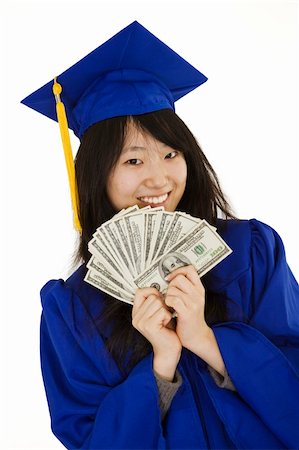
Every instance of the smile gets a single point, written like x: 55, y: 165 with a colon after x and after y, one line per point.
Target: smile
x: 155, y: 200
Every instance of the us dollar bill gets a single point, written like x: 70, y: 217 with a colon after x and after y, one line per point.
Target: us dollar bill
x: 126, y: 211
x: 135, y: 230
x: 164, y: 224
x: 138, y: 247
x: 202, y: 247
x: 104, y: 258
x: 180, y: 226
x: 109, y: 274
x: 105, y: 285
x: 113, y: 230
x: 149, y: 228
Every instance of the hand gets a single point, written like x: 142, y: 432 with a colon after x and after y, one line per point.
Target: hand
x: 152, y: 319
x: 186, y: 295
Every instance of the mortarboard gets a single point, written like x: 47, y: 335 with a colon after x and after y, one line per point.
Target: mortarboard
x: 132, y: 73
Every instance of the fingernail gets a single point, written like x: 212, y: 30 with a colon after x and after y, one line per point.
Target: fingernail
x: 166, y: 278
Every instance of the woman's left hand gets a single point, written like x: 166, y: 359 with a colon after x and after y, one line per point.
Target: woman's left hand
x: 186, y: 295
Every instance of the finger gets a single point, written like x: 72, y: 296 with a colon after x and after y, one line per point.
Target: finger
x: 188, y: 271
x: 142, y: 318
x: 182, y: 283
x: 141, y: 309
x: 176, y: 303
x: 150, y: 306
x: 174, y: 291
x: 162, y: 315
x: 142, y: 294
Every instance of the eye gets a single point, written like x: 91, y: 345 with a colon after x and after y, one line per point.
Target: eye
x: 133, y: 162
x: 172, y: 154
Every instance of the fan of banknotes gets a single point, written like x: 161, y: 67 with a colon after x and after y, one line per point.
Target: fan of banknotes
x: 139, y: 247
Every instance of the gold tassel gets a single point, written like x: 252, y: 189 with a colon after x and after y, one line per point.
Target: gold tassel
x: 66, y: 143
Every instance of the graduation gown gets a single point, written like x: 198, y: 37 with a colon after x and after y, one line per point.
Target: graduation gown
x: 92, y: 405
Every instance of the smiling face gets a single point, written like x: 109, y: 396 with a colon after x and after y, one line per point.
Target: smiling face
x: 147, y: 172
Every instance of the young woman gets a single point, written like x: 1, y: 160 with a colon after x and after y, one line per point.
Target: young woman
x: 224, y: 373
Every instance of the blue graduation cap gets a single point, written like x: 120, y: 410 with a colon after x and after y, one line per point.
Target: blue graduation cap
x: 132, y: 73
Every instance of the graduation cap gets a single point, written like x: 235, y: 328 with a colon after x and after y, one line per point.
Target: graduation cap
x: 132, y: 73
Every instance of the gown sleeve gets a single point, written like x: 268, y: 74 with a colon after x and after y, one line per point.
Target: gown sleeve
x: 262, y: 355
x: 167, y: 390
x: 91, y: 405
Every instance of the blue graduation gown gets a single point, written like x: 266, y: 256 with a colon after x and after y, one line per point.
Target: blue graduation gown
x: 93, y: 406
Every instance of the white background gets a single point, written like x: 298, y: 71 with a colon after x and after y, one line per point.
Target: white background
x: 245, y: 118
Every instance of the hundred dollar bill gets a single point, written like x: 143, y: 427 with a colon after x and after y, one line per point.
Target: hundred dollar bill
x: 167, y: 235
x: 202, y: 247
x: 102, y: 239
x: 109, y: 274
x: 164, y: 224
x: 105, y: 247
x: 157, y: 228
x: 104, y: 258
x: 135, y: 225
x: 126, y: 211
x: 180, y: 226
x: 121, y: 232
x: 113, y: 230
x: 149, y: 227
x: 103, y: 243
x: 103, y: 284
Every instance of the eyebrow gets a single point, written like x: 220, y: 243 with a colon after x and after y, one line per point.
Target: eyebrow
x: 129, y: 149
x: 136, y: 147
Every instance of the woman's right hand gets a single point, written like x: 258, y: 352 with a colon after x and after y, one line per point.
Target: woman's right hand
x: 151, y: 317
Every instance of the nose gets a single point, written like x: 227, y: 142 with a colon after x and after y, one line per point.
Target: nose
x: 157, y: 176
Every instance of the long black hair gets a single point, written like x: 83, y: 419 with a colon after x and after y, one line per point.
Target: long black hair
x: 99, y: 150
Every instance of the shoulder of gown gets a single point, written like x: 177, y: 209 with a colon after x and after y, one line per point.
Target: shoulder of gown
x: 73, y: 293
x: 252, y: 242
x: 255, y: 278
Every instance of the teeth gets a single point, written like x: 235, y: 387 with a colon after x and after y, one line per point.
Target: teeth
x: 154, y: 200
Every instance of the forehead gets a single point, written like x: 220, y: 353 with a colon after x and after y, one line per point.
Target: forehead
x: 138, y: 139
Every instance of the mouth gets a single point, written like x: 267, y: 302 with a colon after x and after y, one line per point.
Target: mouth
x: 159, y: 200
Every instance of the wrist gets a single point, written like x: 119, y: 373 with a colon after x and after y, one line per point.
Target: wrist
x: 206, y: 347
x: 202, y: 340
x: 165, y: 365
